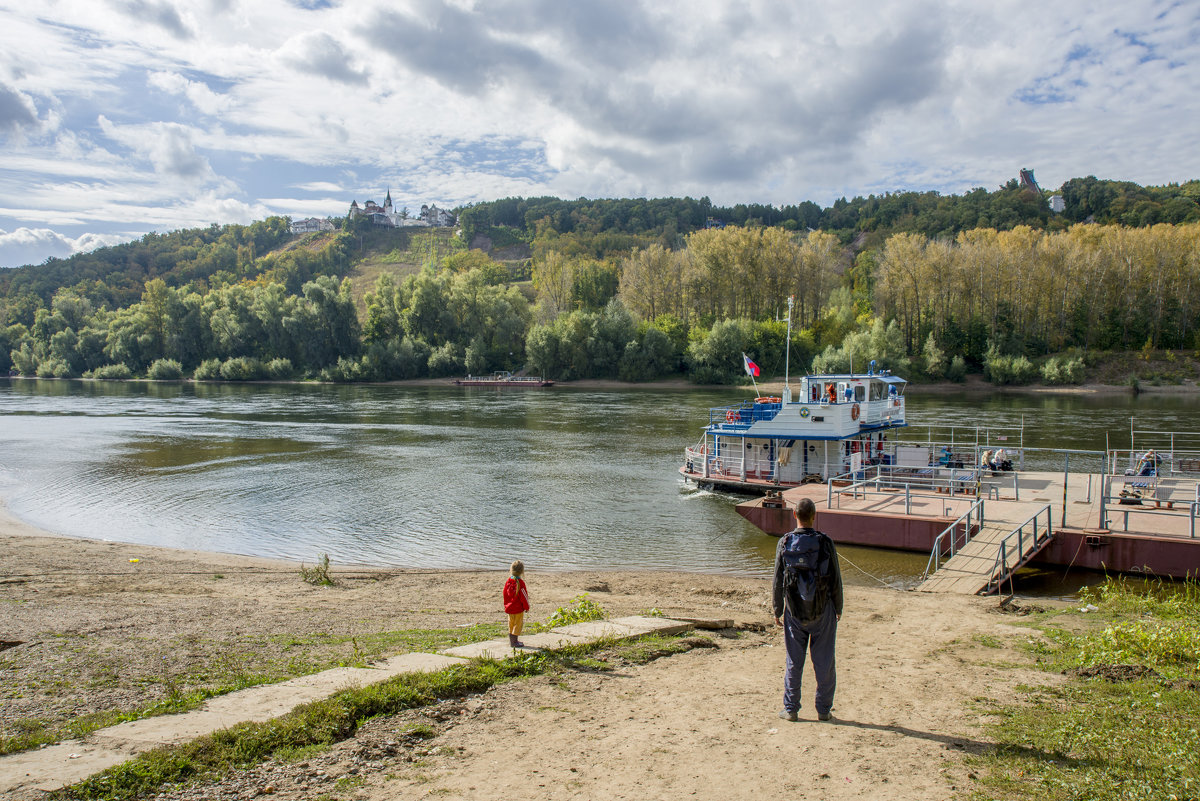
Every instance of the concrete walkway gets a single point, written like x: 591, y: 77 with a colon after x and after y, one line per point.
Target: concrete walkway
x: 57, y: 766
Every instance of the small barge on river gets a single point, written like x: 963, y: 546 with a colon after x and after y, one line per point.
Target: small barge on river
x: 503, y: 379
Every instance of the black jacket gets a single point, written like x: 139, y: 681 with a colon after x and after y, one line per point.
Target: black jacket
x: 835, y: 573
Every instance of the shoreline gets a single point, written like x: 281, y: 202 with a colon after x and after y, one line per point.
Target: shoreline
x: 974, y: 384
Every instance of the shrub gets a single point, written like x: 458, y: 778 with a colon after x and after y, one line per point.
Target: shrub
x: 165, y: 370
x: 957, y: 370
x: 242, y: 368
x: 112, y: 372
x: 209, y: 370
x: 280, y: 369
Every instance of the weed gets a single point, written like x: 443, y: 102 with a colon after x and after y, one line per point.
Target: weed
x: 318, y: 575
x: 218, y: 576
x: 583, y: 610
x: 988, y: 641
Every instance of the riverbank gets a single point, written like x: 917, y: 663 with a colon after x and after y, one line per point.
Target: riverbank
x: 108, y: 626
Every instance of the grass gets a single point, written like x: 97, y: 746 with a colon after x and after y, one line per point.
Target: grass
x: 1126, y: 723
x: 312, y: 727
x: 226, y: 668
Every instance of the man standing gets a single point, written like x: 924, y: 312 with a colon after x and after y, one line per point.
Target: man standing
x: 807, y: 593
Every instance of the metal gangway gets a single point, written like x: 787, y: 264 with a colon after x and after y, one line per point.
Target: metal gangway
x: 983, y: 554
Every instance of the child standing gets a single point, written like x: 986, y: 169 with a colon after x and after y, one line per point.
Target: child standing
x: 516, y: 603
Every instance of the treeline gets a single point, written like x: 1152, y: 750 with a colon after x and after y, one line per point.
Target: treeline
x: 876, y: 216
x: 198, y: 257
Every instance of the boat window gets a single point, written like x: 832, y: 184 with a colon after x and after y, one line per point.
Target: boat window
x: 876, y: 390
x: 860, y: 392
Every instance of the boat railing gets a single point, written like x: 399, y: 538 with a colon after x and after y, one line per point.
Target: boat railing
x: 743, y: 413
x: 966, y: 525
x: 1016, y: 547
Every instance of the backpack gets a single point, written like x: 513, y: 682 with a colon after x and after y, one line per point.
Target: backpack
x: 806, y: 570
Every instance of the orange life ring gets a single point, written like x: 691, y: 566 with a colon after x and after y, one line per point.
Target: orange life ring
x: 854, y: 412
x: 896, y: 402
x: 703, y: 449
x: 731, y: 416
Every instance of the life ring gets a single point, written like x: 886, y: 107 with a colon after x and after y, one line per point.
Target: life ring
x: 854, y: 412
x: 704, y: 449
x: 896, y: 402
x: 731, y: 416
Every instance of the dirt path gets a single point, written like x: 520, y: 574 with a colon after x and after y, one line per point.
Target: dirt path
x: 96, y: 630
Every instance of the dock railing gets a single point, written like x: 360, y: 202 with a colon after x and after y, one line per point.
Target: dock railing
x: 924, y: 482
x: 1018, y: 546
x: 970, y: 521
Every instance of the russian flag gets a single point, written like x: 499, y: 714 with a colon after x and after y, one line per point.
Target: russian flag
x: 751, y: 367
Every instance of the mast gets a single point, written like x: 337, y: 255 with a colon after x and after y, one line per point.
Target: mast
x: 787, y: 359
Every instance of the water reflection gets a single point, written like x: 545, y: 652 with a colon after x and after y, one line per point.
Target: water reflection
x: 438, y: 476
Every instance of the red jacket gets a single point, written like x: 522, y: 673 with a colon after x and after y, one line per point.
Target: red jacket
x: 516, y: 596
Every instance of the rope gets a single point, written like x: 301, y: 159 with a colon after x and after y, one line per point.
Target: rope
x: 843, y: 558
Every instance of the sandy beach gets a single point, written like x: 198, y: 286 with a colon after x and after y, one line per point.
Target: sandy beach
x: 91, y: 626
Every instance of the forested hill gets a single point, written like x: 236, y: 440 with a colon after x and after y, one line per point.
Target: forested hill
x: 877, y: 216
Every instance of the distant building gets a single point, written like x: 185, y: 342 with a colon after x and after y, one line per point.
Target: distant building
x: 1057, y: 204
x: 387, y: 216
x: 310, y: 225
x: 1027, y: 181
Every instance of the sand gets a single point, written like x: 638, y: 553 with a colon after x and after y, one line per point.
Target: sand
x: 97, y: 630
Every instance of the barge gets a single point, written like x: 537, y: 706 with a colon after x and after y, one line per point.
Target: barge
x: 503, y: 379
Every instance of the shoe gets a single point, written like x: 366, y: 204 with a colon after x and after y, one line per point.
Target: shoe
x: 788, y: 715
x: 824, y: 716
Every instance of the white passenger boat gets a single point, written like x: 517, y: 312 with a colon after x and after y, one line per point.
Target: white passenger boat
x: 832, y: 425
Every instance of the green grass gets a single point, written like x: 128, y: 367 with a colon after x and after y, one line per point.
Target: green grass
x: 1134, y: 737
x: 312, y: 727
x: 226, y: 669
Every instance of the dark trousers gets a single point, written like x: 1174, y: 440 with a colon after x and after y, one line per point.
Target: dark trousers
x: 818, y: 637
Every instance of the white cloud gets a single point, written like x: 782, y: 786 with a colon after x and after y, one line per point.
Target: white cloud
x: 35, y: 245
x: 203, y: 98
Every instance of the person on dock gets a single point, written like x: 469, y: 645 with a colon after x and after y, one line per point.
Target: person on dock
x: 516, y: 603
x: 807, y: 596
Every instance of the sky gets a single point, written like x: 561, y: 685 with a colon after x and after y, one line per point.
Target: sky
x: 120, y: 117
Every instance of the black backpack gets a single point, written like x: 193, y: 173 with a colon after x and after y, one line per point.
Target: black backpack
x: 806, y: 570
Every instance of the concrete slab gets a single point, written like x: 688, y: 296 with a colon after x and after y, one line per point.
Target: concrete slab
x: 551, y: 641
x: 711, y: 624
x: 56, y: 766
x: 625, y: 627
x: 417, y: 663
x: 489, y: 649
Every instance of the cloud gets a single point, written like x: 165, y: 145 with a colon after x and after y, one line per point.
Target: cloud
x: 17, y: 112
x: 157, y: 12
x: 318, y: 53
x: 203, y: 98
x: 169, y: 146
x: 35, y: 245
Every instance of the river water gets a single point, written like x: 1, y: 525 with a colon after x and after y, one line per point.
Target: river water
x: 445, y: 477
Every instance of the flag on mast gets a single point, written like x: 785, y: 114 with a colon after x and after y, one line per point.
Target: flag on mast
x: 751, y: 367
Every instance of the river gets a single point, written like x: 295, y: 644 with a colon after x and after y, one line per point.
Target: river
x: 423, y: 476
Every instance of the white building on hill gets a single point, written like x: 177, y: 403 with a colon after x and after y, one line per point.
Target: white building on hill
x: 386, y: 215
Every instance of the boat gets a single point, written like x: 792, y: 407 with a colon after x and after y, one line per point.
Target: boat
x: 836, y: 424
x: 503, y: 379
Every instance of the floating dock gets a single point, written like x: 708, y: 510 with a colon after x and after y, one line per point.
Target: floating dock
x: 979, y: 530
